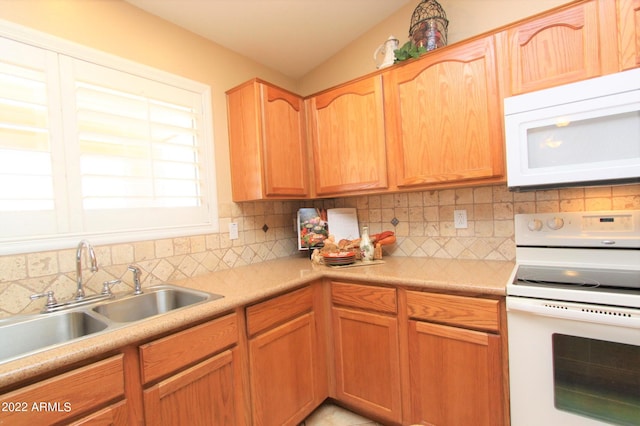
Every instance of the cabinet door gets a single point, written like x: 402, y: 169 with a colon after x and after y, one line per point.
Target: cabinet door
x: 455, y: 376
x: 629, y: 33
x: 267, y: 143
x: 285, y: 150
x: 205, y: 394
x: 367, y: 362
x: 564, y: 46
x: 53, y: 401
x: 348, y: 138
x: 284, y: 367
x: 444, y: 117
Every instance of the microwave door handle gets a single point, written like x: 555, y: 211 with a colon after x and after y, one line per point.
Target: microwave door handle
x: 576, y: 312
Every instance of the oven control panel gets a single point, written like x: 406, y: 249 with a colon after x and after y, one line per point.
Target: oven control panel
x: 579, y: 229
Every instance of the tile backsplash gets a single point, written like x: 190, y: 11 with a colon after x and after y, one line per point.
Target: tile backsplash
x: 424, y: 227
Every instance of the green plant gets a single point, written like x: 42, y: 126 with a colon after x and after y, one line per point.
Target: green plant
x: 408, y: 51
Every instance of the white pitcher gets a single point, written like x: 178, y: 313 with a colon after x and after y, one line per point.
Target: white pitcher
x: 385, y: 51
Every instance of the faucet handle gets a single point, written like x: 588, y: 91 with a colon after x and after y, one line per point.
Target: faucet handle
x: 106, y: 286
x: 51, y: 300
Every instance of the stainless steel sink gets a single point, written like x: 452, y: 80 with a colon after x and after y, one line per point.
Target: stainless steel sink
x: 34, y: 333
x: 154, y: 301
x: 26, y: 335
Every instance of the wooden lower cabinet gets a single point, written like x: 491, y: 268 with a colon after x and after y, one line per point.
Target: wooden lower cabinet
x: 201, y: 395
x: 456, y: 369
x: 93, y: 394
x: 366, y: 349
x: 455, y: 376
x: 194, y: 376
x: 286, y: 361
x: 367, y: 363
x: 397, y: 356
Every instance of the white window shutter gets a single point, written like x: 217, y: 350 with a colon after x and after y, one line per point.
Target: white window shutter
x: 112, y: 151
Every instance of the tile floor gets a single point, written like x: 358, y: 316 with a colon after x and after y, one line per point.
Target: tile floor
x: 331, y: 415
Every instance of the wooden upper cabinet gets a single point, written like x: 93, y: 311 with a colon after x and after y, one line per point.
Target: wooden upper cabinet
x: 444, y: 117
x: 563, y: 46
x: 629, y: 33
x: 348, y: 138
x: 267, y: 143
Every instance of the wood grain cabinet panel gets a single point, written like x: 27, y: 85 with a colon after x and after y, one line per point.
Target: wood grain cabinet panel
x: 563, y: 46
x: 629, y: 33
x: 266, y: 315
x: 284, y: 365
x: 113, y: 415
x: 444, y: 117
x: 468, y: 312
x: 194, y: 376
x: 348, y: 138
x: 287, y: 360
x: 85, y: 390
x: 456, y: 376
x: 204, y: 394
x: 381, y: 299
x: 267, y: 143
x: 172, y: 353
x: 367, y: 365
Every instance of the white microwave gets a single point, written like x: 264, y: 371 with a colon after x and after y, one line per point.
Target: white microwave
x: 579, y: 134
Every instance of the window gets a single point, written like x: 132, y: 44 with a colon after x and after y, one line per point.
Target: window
x: 96, y: 147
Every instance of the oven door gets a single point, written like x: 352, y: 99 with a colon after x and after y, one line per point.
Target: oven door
x: 573, y: 364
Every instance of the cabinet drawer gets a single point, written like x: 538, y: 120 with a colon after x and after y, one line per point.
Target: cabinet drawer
x: 265, y: 315
x: 368, y: 297
x: 462, y: 311
x: 171, y: 353
x: 70, y: 394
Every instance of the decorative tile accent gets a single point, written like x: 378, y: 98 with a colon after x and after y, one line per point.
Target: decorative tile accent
x: 422, y: 221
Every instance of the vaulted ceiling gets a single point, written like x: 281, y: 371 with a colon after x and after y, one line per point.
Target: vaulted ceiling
x: 291, y: 36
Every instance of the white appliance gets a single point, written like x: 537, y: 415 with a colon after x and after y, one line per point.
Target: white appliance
x: 577, y: 134
x: 573, y: 315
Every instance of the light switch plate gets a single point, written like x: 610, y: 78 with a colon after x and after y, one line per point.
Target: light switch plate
x: 233, y: 231
x: 460, y: 219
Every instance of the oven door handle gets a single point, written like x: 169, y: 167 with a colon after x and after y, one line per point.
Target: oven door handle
x: 610, y: 315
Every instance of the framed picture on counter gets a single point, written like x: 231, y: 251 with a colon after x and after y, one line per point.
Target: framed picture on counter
x: 312, y: 228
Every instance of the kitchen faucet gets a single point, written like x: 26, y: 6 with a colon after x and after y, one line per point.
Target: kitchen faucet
x: 94, y: 265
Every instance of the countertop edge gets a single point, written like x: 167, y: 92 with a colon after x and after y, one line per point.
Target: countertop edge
x: 279, y: 276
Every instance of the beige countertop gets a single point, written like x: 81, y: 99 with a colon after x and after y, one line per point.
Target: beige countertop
x: 248, y: 284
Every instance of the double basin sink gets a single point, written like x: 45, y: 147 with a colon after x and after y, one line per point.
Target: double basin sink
x: 27, y: 335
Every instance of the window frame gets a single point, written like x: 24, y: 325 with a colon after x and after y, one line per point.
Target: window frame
x: 208, y: 165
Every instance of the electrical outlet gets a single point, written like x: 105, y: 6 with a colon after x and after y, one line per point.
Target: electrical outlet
x: 233, y: 231
x: 460, y: 218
